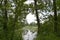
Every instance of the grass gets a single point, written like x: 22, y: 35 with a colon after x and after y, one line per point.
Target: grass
x: 32, y: 28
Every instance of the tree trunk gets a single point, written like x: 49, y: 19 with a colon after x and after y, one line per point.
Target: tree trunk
x: 55, y: 15
x: 5, y: 20
x: 37, y: 16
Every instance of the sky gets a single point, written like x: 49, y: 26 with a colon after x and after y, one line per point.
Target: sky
x: 31, y: 17
x: 29, y: 1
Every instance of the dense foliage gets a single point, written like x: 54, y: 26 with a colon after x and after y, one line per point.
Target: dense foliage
x: 13, y: 19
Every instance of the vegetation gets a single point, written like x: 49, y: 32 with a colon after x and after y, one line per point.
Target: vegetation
x: 13, y: 19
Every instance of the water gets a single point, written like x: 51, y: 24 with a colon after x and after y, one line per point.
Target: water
x: 28, y: 35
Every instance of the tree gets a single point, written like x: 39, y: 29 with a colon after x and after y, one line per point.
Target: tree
x: 5, y: 20
x: 55, y: 15
x: 19, y: 12
x: 37, y: 16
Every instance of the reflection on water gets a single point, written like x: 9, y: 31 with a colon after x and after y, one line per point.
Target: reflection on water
x: 28, y: 35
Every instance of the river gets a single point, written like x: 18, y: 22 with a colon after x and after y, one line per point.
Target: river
x: 29, y: 35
